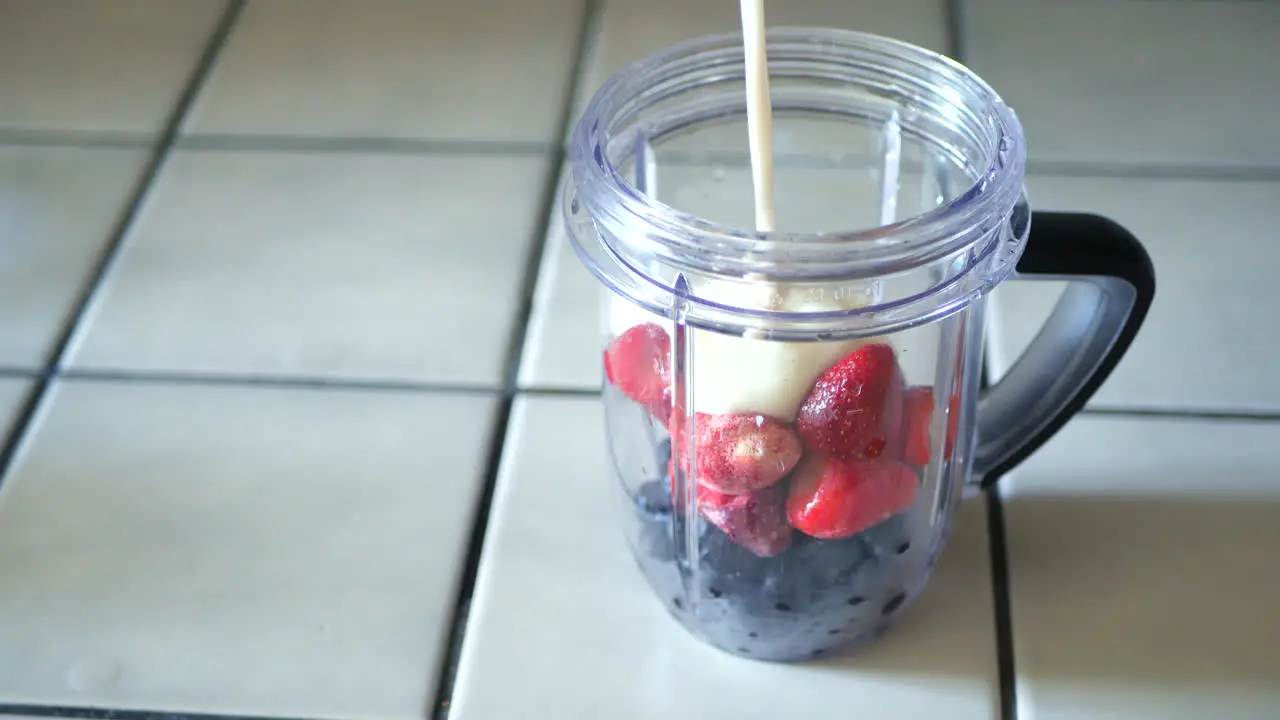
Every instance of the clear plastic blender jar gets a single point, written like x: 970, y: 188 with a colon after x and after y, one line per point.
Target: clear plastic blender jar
x: 793, y: 416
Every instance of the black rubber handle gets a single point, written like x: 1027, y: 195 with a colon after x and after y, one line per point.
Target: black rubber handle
x: 1112, y: 286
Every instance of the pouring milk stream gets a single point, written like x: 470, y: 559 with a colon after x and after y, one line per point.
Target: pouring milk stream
x: 753, y: 374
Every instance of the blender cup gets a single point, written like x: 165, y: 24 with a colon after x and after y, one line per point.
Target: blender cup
x: 793, y: 416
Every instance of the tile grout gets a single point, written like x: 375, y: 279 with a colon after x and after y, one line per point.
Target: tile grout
x: 428, y: 387
x: 358, y: 145
x: 1006, y: 666
x: 104, y: 713
x: 591, y: 11
x: 171, y: 139
x: 1152, y: 171
x: 352, y: 145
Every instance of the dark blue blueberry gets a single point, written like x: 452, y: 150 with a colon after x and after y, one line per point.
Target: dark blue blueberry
x: 894, y: 603
x: 664, y: 456
x: 653, y: 510
x: 654, y: 498
x: 729, y: 567
x: 887, y: 537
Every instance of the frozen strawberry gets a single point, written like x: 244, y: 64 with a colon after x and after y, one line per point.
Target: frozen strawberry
x: 638, y: 363
x: 738, y: 454
x: 917, y: 414
x: 854, y: 411
x: 757, y: 521
x: 832, y: 499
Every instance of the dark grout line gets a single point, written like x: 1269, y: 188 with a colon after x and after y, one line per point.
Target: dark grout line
x: 23, y: 421
x: 998, y: 557
x: 1152, y: 171
x: 957, y: 25
x: 94, y: 713
x: 591, y: 12
x: 593, y: 393
x: 1182, y: 414
x: 272, y: 381
x: 303, y: 382
x: 168, y: 377
x: 21, y: 373
x: 997, y: 547
x: 76, y: 139
x: 369, y: 145
x: 1006, y: 666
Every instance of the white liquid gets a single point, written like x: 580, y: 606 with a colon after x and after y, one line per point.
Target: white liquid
x: 759, y: 112
x: 748, y: 374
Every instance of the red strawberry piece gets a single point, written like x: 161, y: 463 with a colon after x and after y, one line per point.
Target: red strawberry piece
x: 757, y: 521
x: 739, y: 454
x: 917, y: 414
x: 832, y: 499
x: 854, y: 411
x: 638, y: 363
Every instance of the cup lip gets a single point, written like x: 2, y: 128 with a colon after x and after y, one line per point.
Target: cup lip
x: 868, y: 252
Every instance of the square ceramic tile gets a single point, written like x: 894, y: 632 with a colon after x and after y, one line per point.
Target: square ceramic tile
x: 496, y: 70
x: 58, y: 209
x: 71, y: 65
x: 563, y: 626
x: 237, y: 550
x: 1208, y: 339
x: 632, y: 29
x: 1143, y: 573
x: 1135, y: 81
x: 384, y: 267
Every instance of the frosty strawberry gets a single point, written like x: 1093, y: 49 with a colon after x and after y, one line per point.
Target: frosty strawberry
x: 854, y: 411
x: 757, y: 521
x: 738, y: 454
x: 638, y: 363
x: 832, y: 499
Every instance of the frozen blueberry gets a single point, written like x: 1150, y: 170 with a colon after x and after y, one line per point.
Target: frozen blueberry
x: 889, y: 537
x: 654, y: 498
x: 664, y: 456
x: 730, y: 568
x: 894, y: 603
x: 653, y: 510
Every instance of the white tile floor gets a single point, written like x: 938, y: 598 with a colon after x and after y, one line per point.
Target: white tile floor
x: 400, y: 69
x: 1202, y: 346
x: 1145, y: 82
x: 114, y: 67
x: 236, y: 550
x: 259, y: 504
x: 310, y: 267
x: 1142, y: 569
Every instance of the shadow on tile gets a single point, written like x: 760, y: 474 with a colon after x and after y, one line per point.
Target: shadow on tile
x: 1128, y: 591
x: 940, y: 636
